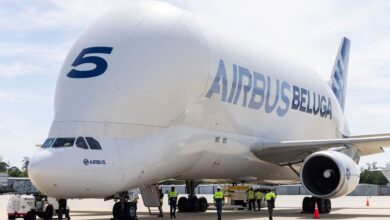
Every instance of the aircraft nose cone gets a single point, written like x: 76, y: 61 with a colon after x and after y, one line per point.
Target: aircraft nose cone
x: 45, y: 171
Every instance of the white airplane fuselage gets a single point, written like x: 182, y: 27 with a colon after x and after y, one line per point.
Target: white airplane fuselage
x: 177, y: 100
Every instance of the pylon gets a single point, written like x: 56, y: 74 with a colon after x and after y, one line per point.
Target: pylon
x: 316, y: 212
x: 367, y: 202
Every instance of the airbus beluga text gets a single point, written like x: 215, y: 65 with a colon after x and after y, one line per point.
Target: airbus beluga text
x: 150, y: 93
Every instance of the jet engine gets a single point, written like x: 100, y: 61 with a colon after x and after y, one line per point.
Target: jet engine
x: 329, y: 174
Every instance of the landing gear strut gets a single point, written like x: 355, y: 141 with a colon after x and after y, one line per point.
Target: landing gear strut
x: 192, y: 203
x: 308, y: 205
x: 123, y: 209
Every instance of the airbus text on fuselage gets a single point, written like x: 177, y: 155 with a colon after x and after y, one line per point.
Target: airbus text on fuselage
x: 260, y: 91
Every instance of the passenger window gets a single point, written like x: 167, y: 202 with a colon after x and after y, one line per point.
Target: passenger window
x: 63, y: 142
x: 93, y: 144
x: 48, y: 143
x: 80, y: 142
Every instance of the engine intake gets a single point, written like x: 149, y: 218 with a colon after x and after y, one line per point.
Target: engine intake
x: 329, y: 174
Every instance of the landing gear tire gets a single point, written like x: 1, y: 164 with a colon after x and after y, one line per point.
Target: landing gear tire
x: 328, y: 205
x: 324, y: 205
x: 124, y: 211
x: 193, y: 204
x: 182, y: 204
x: 321, y: 206
x: 130, y: 211
x: 48, y: 214
x: 203, y: 205
x: 117, y: 210
x: 308, y: 205
x: 30, y: 216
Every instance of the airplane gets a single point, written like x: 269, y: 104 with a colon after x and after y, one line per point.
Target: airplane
x: 150, y: 93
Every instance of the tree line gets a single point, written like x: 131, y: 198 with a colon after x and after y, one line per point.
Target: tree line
x: 371, y: 175
x: 14, y: 171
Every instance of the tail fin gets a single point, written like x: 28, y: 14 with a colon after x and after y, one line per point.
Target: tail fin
x: 340, y: 72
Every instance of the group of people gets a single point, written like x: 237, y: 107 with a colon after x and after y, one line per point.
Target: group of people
x: 172, y: 201
x: 253, y: 196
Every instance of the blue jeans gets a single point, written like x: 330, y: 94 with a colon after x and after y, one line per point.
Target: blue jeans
x: 218, y: 205
x: 172, y: 204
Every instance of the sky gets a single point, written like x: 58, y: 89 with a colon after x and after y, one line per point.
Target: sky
x: 35, y: 37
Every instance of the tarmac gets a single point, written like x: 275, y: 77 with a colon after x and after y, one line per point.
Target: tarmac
x: 287, y: 207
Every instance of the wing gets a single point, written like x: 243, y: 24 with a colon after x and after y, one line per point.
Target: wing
x: 290, y: 152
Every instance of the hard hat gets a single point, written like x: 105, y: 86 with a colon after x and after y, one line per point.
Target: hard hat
x: 218, y: 187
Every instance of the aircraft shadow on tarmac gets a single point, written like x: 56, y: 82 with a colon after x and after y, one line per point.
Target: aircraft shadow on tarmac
x: 86, y: 213
x: 237, y: 215
x: 296, y: 213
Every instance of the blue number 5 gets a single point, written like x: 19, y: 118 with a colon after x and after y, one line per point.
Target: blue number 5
x: 100, y: 63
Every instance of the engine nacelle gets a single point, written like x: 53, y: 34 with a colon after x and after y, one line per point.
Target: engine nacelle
x: 329, y: 174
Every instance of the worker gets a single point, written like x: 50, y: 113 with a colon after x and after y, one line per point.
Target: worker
x: 135, y: 201
x: 251, y: 199
x: 161, y: 203
x: 258, y: 196
x: 270, y: 198
x: 62, y: 209
x: 218, y: 202
x: 172, y: 196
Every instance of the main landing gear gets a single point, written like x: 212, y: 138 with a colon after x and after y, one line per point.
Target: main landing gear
x: 192, y: 203
x: 123, y: 209
x: 308, y: 205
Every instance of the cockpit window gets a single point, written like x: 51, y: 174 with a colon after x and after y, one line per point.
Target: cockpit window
x: 80, y: 142
x: 63, y: 142
x: 48, y: 143
x: 93, y: 144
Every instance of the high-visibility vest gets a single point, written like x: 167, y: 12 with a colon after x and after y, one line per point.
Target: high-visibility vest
x: 269, y: 196
x: 251, y: 194
x: 258, y: 195
x: 172, y: 194
x: 161, y: 198
x: 218, y: 195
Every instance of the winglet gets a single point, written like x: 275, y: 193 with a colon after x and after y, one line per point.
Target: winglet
x: 340, y: 72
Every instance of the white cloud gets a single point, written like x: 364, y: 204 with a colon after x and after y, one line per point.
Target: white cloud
x: 24, y: 119
x: 36, y: 51
x: 53, y: 14
x: 31, y: 59
x: 19, y: 69
x: 24, y: 97
x: 19, y: 134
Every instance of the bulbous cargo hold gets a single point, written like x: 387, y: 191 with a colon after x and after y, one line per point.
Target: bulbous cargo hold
x: 131, y: 65
x: 329, y: 174
x: 154, y: 64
